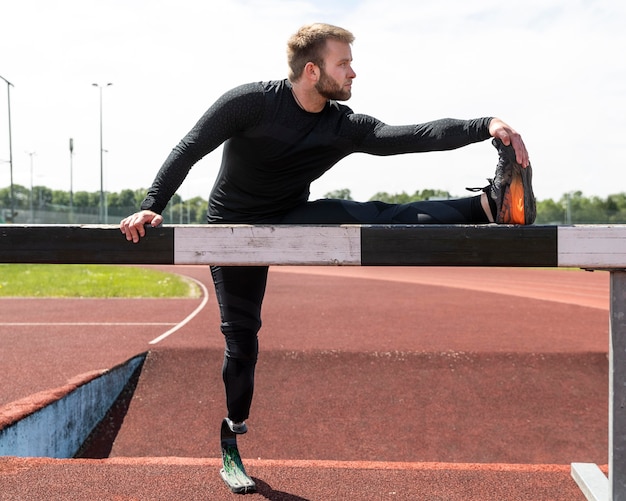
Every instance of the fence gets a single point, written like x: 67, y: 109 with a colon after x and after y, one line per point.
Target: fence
x: 90, y: 215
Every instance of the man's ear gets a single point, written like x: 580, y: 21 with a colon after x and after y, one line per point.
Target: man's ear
x: 311, y: 72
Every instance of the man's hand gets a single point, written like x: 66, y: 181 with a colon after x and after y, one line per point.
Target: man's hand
x: 133, y: 226
x: 509, y: 136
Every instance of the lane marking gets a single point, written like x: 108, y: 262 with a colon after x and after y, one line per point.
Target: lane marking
x: 90, y: 324
x: 190, y: 317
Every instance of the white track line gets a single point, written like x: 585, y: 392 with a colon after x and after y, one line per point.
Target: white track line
x: 190, y: 317
x: 89, y: 324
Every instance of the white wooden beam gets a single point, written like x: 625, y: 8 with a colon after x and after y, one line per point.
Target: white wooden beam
x: 275, y: 245
x: 592, y: 246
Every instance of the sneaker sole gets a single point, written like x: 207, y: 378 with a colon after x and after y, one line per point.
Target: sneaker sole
x: 518, y: 205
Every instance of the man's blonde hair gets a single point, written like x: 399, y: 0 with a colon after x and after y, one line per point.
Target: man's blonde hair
x: 308, y: 44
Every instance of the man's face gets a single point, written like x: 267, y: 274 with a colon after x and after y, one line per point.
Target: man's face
x: 336, y: 77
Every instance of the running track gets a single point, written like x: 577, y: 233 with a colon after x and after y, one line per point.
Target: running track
x: 428, y: 383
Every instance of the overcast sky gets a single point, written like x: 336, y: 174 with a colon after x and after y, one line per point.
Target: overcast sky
x: 553, y: 69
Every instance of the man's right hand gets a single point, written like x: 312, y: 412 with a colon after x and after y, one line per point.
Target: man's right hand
x: 133, y: 226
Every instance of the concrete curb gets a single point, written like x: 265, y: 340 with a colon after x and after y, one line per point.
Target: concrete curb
x: 55, y: 423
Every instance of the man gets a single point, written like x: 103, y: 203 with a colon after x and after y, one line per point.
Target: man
x: 278, y: 137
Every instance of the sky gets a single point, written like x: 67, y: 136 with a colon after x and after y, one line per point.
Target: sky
x: 552, y: 69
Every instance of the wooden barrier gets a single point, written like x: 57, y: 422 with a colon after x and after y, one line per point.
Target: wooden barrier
x: 594, y: 247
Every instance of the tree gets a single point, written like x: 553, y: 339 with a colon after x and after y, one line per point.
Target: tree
x: 432, y: 195
x: 343, y: 194
x: 86, y: 199
x: 128, y: 198
x: 550, y: 212
x: 403, y: 198
x: 397, y: 198
x: 60, y: 197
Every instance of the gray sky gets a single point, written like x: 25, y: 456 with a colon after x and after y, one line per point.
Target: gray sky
x: 553, y: 69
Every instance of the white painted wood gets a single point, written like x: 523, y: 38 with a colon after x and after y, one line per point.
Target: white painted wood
x: 592, y: 482
x: 267, y: 245
x: 592, y: 246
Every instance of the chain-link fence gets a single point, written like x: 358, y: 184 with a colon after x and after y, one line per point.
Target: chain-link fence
x: 570, y: 210
x: 179, y: 214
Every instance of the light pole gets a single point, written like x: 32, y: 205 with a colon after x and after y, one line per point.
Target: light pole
x: 9, y: 85
x: 102, y: 202
x: 32, y: 208
x: 71, y: 176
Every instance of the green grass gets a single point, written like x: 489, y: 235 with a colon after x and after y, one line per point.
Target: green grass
x: 92, y: 281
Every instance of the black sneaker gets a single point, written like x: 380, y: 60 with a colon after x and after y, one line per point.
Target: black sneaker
x: 511, y: 191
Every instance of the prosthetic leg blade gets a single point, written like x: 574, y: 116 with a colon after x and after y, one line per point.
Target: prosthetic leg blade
x: 233, y: 472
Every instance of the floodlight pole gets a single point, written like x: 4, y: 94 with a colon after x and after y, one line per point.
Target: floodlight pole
x: 32, y: 193
x: 71, y: 175
x: 9, y: 85
x: 102, y: 202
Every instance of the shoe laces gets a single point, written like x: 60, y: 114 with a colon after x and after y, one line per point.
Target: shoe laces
x: 484, y: 189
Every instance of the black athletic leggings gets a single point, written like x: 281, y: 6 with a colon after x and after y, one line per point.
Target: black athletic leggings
x: 240, y: 289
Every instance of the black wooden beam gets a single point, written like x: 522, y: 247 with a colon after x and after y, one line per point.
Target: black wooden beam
x: 83, y: 245
x: 437, y: 245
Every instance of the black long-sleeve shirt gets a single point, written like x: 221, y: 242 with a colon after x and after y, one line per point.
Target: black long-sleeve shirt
x: 273, y: 149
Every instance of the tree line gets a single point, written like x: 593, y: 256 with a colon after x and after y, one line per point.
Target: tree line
x: 571, y: 208
x: 118, y: 205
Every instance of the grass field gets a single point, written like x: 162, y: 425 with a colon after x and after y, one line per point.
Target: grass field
x: 51, y: 280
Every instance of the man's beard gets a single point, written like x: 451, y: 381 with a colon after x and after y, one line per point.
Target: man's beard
x: 330, y: 89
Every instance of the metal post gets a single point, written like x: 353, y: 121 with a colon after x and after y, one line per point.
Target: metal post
x: 589, y: 478
x: 71, y: 176
x: 9, y: 85
x: 32, y: 194
x: 102, y: 209
x: 617, y: 387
